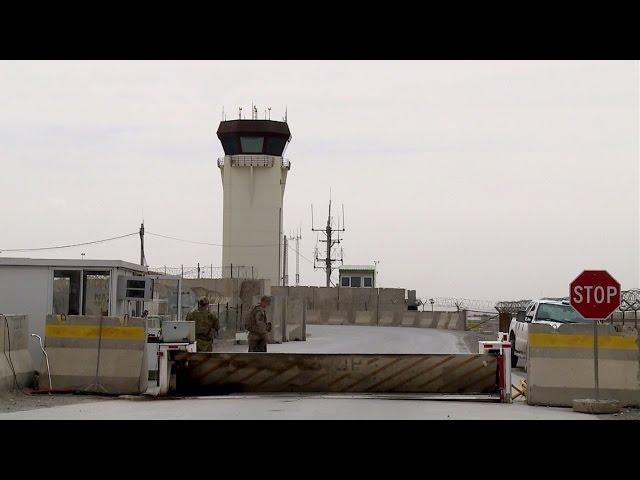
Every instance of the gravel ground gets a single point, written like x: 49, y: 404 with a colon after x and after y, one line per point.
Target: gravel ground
x: 15, y: 402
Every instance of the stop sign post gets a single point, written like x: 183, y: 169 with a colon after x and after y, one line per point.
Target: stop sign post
x: 595, y: 295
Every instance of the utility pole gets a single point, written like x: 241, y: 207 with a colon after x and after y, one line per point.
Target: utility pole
x: 297, y: 239
x: 142, y: 259
x: 285, y: 266
x: 330, y: 241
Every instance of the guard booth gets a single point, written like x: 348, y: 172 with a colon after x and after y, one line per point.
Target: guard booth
x: 41, y: 287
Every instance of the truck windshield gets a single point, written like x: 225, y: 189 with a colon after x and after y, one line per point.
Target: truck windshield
x: 559, y: 313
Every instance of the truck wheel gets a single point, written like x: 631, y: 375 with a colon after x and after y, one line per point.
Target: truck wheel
x: 514, y: 357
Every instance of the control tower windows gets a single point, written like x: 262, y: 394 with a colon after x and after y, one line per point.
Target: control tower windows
x: 229, y: 144
x: 276, y: 145
x: 251, y: 144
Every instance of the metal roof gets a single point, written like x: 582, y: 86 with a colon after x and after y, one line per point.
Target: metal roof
x: 70, y: 262
x: 356, y: 267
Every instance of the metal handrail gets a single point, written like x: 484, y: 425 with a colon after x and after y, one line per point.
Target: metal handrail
x: 253, y: 161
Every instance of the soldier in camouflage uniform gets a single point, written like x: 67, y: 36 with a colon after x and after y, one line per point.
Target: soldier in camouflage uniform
x: 258, y: 326
x: 206, y: 323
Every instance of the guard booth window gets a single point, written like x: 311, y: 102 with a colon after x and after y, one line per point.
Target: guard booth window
x: 355, y: 282
x: 66, y: 292
x: 95, y: 300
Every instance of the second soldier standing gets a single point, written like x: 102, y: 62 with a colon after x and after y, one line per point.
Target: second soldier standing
x: 258, y: 326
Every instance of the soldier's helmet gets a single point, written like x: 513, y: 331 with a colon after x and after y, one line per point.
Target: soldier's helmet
x: 202, y: 301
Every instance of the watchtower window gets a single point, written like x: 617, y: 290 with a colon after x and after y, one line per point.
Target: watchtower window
x: 251, y: 144
x: 275, y: 145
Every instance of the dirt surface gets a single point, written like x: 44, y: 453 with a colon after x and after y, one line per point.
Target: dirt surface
x: 15, y: 402
x: 625, y: 414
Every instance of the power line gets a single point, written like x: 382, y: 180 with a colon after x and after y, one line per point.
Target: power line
x: 207, y: 243
x: 294, y: 249
x: 66, y: 246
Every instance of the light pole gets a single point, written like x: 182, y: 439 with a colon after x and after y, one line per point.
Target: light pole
x: 82, y: 255
x: 431, y: 302
x: 375, y: 271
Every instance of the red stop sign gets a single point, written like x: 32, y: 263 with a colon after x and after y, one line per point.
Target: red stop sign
x: 595, y: 294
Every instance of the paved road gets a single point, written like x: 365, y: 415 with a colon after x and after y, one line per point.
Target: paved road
x: 361, y: 339
x: 281, y: 407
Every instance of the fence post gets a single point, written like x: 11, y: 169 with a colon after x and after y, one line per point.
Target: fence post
x: 212, y: 270
x: 182, y: 270
x: 251, y: 272
x: 165, y: 269
x: 198, y: 269
x: 232, y: 270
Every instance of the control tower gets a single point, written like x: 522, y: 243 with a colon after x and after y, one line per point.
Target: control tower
x: 254, y: 174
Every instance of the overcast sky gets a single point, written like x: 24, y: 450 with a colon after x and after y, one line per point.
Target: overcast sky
x: 485, y: 180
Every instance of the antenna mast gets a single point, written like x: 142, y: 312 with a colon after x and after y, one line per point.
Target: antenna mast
x: 297, y: 238
x: 330, y: 240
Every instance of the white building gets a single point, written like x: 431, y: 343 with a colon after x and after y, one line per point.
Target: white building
x: 39, y: 287
x: 357, y: 276
x: 254, y: 175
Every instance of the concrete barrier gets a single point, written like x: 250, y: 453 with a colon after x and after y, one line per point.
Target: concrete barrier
x: 336, y: 318
x: 295, y: 312
x: 96, y: 354
x: 354, y: 373
x: 425, y: 320
x: 560, y: 364
x: 441, y: 320
x: 276, y: 314
x: 409, y: 319
x: 314, y: 317
x: 365, y: 306
x: 16, y: 366
x: 386, y: 319
x: 366, y: 318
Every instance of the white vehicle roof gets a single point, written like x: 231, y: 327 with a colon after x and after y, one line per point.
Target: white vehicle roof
x: 553, y: 301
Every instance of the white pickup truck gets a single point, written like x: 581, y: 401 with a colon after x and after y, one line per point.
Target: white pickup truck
x: 551, y: 312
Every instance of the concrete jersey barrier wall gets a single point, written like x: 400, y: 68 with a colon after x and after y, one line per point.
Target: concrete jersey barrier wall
x: 96, y: 354
x: 560, y: 364
x: 385, y: 307
x: 14, y: 353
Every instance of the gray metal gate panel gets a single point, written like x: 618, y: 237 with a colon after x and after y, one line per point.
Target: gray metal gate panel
x: 337, y: 373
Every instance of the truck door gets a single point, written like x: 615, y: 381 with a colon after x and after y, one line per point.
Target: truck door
x: 523, y: 329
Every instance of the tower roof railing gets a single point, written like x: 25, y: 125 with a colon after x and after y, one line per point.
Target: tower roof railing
x: 253, y: 161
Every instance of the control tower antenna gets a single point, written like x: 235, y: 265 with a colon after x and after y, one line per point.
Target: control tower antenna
x: 330, y: 240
